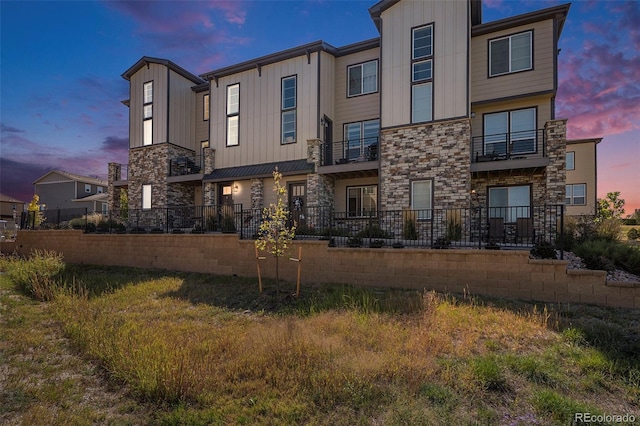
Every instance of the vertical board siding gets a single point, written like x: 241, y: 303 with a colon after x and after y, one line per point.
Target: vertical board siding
x: 539, y: 79
x: 449, y: 60
x: 202, y: 127
x: 157, y: 73
x: 260, y: 108
x: 182, y: 112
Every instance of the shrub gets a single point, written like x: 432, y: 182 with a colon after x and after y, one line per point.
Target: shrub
x: 441, y: 243
x: 609, y: 229
x: 373, y: 231
x: 228, y: 224
x: 409, y: 231
x: 78, y: 223
x: 544, y: 250
x: 605, y: 255
x: 39, y: 275
x: 376, y: 244
x: 633, y: 234
x: 354, y: 241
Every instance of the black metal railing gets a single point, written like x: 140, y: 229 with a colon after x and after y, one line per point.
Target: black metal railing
x: 122, y: 172
x: 482, y: 228
x: 185, y: 165
x: 352, y: 150
x: 508, y: 146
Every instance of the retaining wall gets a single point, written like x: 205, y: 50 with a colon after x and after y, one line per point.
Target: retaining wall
x: 502, y: 273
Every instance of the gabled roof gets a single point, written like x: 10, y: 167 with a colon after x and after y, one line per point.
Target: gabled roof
x: 559, y: 13
x: 95, y: 197
x: 377, y: 9
x: 73, y: 177
x: 146, y: 60
x: 305, y: 49
x: 264, y: 170
x: 9, y: 199
x: 578, y: 141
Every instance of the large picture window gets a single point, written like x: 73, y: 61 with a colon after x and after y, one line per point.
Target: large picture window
x: 576, y: 194
x: 510, y: 54
x: 146, y: 196
x: 422, y: 198
x: 233, y: 114
x: 289, y: 104
x: 362, y: 78
x: 362, y: 201
x: 510, y: 202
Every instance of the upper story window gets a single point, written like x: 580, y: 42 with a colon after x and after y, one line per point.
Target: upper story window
x: 233, y: 113
x: 571, y: 160
x: 147, y: 113
x: 511, y: 132
x: 511, y: 54
x: 422, y: 74
x: 362, y: 78
x: 205, y: 107
x: 361, y: 140
x: 288, y: 112
x: 100, y: 190
x: 87, y: 187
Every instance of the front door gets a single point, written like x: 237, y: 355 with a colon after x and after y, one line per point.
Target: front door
x: 297, y: 203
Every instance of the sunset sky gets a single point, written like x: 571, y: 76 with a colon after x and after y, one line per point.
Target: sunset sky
x: 61, y: 90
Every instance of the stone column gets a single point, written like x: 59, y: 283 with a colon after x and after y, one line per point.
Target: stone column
x: 208, y: 188
x: 257, y: 194
x: 555, y: 134
x: 114, y: 174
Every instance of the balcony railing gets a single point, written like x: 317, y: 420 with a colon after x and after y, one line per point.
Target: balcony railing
x: 352, y: 150
x: 184, y: 165
x: 527, y: 144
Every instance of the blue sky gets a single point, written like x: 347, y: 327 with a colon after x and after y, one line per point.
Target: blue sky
x: 61, y: 61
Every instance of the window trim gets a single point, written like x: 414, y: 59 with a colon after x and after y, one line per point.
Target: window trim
x: 206, y: 107
x: 232, y: 115
x: 146, y: 119
x: 509, y: 36
x: 362, y: 138
x: 99, y: 190
x: 573, y: 161
x: 530, y: 206
x: 287, y: 111
x: 359, y: 214
x: 87, y: 187
x: 361, y: 65
x: 425, y: 81
x: 146, y: 189
x: 572, y: 196
x: 428, y: 210
x: 508, y: 112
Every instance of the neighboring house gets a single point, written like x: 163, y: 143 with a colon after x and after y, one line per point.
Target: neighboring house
x: 11, y: 209
x: 581, y: 185
x: 439, y: 107
x: 62, y: 190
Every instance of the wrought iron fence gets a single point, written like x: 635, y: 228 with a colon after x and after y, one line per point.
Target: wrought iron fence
x: 487, y: 227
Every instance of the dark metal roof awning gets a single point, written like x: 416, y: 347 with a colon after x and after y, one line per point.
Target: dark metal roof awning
x: 255, y: 171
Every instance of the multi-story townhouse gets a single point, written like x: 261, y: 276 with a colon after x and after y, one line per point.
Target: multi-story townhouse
x: 581, y: 184
x: 440, y: 111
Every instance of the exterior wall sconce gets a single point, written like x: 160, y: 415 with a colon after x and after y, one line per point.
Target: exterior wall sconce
x: 236, y: 188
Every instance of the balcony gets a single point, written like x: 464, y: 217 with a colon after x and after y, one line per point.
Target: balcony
x: 509, y: 151
x: 183, y: 168
x: 350, y: 158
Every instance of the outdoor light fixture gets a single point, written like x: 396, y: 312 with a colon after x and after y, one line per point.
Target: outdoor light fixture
x: 236, y: 188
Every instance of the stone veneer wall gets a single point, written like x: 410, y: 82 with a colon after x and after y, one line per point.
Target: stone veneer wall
x: 257, y: 194
x: 320, y: 188
x: 501, y: 273
x: 114, y: 174
x: 437, y: 151
x: 555, y: 132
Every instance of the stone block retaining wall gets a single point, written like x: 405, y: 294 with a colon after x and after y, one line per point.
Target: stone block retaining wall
x: 499, y: 273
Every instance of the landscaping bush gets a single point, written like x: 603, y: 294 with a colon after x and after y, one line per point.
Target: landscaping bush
x: 605, y: 255
x: 609, y: 229
x: 39, y: 275
x: 373, y: 231
x: 633, y: 234
x: 78, y: 223
x: 544, y: 250
x: 354, y: 242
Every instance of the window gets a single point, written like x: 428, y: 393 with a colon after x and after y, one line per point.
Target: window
x: 510, y: 132
x: 87, y: 187
x: 361, y: 140
x: 422, y: 74
x: 288, y: 124
x: 146, y: 196
x: 362, y: 79
x: 576, y: 194
x: 571, y: 160
x: 100, y: 190
x: 105, y: 208
x: 205, y: 108
x: 510, y: 202
x: 362, y: 201
x: 233, y: 110
x: 147, y: 113
x: 510, y: 54
x: 421, y: 198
